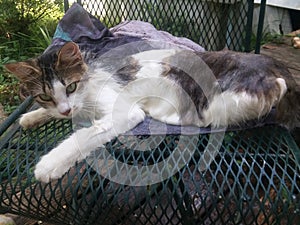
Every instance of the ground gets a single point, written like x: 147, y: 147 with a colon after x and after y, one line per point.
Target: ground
x: 286, y: 53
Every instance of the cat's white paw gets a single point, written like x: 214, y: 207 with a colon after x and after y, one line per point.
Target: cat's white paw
x: 102, y: 126
x: 34, y: 118
x: 49, y: 169
x: 27, y: 121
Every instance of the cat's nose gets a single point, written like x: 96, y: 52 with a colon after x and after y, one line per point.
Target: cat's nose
x: 66, y: 113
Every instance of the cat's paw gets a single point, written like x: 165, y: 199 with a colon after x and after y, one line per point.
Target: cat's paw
x: 27, y: 121
x: 34, y: 118
x: 102, y: 126
x: 49, y: 169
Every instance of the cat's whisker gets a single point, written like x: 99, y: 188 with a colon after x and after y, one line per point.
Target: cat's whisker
x: 92, y: 105
x: 86, y: 111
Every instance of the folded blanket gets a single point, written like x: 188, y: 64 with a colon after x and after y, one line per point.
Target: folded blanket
x: 89, y: 33
x: 147, y: 31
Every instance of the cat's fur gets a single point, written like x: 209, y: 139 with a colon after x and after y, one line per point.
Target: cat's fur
x: 164, y: 84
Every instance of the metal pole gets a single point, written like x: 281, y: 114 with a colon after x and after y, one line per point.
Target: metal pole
x: 15, y: 114
x: 66, y: 5
x: 249, y: 25
x: 260, y: 25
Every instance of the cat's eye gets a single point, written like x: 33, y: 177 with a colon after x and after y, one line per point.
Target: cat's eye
x: 71, y: 88
x: 45, y: 97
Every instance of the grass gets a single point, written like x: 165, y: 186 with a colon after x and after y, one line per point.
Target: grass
x: 18, y: 47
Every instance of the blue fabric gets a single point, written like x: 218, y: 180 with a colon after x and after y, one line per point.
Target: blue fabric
x: 89, y: 33
x: 60, y: 34
x: 154, y: 127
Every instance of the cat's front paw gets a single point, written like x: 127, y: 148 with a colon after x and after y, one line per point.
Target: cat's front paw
x: 34, y: 118
x: 49, y: 169
x: 27, y: 121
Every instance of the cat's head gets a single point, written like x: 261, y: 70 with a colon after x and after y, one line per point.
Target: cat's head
x: 53, y: 79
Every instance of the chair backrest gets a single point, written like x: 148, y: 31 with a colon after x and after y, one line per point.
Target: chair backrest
x: 214, y: 24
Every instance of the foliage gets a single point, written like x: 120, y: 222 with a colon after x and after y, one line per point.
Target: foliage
x: 26, y: 28
x: 267, y: 37
x: 23, y: 15
x: 9, y: 92
x: 22, y: 48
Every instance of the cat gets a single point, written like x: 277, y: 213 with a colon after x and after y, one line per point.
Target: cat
x: 168, y: 85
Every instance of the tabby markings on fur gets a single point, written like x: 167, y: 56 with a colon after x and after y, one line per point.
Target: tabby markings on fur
x: 174, y: 86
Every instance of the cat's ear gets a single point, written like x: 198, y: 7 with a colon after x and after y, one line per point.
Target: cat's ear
x: 69, y: 56
x: 24, y: 71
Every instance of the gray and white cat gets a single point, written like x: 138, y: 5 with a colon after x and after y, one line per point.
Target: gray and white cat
x: 169, y: 85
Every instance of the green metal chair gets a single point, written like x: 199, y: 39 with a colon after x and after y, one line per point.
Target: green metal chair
x: 253, y: 179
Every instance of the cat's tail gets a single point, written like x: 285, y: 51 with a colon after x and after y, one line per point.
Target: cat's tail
x: 288, y: 108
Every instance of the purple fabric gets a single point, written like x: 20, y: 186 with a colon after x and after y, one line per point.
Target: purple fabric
x: 90, y: 34
x: 154, y: 127
x: 147, y: 31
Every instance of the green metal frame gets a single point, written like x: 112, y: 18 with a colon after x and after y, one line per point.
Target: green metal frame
x: 254, y: 177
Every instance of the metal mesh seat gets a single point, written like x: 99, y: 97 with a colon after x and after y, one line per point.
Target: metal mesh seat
x: 254, y: 177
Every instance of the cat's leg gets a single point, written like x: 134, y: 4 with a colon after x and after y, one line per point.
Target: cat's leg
x: 34, y: 118
x: 81, y: 143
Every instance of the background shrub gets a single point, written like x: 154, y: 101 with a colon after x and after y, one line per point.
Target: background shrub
x: 26, y: 28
